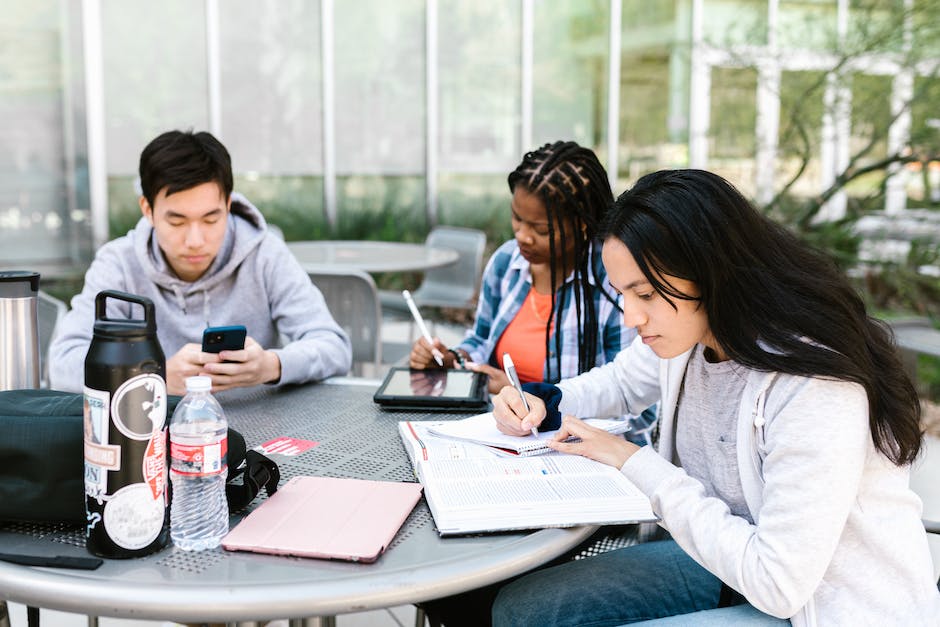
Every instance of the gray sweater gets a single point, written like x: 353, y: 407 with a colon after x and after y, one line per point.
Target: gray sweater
x: 837, y: 537
x: 254, y: 281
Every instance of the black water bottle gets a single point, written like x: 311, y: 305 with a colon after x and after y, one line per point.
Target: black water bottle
x: 125, y: 434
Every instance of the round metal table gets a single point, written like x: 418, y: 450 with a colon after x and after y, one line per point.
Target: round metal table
x: 369, y: 256
x: 356, y: 439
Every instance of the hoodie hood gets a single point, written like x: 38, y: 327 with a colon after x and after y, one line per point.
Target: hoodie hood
x: 244, y: 232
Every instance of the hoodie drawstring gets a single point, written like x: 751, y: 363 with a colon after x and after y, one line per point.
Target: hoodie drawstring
x: 206, y: 309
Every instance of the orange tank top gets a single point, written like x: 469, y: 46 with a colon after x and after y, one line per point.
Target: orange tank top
x: 524, y: 337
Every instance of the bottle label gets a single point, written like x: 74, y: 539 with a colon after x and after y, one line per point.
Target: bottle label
x: 100, y: 456
x: 199, y: 460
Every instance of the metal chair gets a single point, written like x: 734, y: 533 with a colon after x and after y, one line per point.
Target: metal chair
x: 354, y: 302
x: 49, y: 311
x: 454, y: 286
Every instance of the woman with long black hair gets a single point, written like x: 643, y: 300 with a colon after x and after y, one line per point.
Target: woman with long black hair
x: 787, y: 429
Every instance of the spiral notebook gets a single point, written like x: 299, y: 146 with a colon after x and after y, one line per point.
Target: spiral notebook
x: 327, y: 518
x: 481, y: 429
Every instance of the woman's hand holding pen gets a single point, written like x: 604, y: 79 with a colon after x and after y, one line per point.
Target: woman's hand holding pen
x: 422, y: 357
x: 511, y: 415
x: 594, y: 443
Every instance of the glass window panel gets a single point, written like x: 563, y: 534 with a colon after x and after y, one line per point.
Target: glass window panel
x: 925, y: 115
x: 479, y: 201
x: 871, y: 117
x: 926, y: 28
x: 876, y: 26
x: 800, y: 131
x: 732, y: 141
x: 479, y: 74
x: 381, y: 208
x: 272, y: 117
x: 41, y: 224
x: 807, y: 24
x: 154, y: 74
x: 644, y: 111
x: 293, y: 203
x: 380, y: 78
x: 730, y: 22
x: 570, y: 66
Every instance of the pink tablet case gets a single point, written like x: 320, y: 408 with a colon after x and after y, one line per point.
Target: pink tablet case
x: 325, y: 517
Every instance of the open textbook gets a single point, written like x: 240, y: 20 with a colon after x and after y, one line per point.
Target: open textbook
x: 472, y: 489
x: 481, y: 429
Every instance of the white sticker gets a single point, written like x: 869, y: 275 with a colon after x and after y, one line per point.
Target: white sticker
x: 139, y: 406
x: 132, y: 517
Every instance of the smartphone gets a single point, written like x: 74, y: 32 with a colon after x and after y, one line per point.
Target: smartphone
x: 216, y: 339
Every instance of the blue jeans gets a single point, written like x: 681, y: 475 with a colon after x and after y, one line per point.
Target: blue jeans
x: 638, y: 583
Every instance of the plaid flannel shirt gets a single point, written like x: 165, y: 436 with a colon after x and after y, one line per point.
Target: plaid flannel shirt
x: 506, y: 283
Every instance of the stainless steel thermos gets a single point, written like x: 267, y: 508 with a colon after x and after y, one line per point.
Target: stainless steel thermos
x: 125, y: 434
x: 19, y: 330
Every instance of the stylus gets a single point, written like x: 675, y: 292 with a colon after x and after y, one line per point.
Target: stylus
x: 438, y: 357
x: 510, y: 369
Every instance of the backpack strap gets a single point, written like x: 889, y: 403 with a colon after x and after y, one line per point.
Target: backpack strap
x: 259, y: 472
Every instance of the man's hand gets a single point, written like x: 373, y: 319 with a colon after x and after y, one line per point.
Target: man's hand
x: 250, y: 366
x: 187, y: 362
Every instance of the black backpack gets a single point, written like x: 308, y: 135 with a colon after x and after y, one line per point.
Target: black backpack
x: 42, y: 464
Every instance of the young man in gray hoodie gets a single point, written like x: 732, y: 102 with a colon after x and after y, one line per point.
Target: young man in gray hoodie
x: 204, y: 256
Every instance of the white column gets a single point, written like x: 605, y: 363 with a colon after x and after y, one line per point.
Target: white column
x: 699, y: 93
x: 525, y: 101
x: 613, y: 94
x: 213, y: 68
x: 768, y: 112
x: 899, y: 133
x: 836, y: 128
x: 768, y: 125
x: 329, y: 131
x: 431, y: 109
x: 95, y: 120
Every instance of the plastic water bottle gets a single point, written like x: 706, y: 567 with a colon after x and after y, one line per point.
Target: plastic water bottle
x: 198, y: 445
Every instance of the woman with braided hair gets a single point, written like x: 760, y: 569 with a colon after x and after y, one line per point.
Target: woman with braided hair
x: 544, y: 298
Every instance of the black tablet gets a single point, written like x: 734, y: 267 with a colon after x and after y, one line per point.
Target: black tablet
x: 446, y: 390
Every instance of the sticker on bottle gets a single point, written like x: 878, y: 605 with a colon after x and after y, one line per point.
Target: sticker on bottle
x: 139, y: 407
x: 132, y: 517
x: 100, y: 456
x: 154, y: 464
x: 198, y: 460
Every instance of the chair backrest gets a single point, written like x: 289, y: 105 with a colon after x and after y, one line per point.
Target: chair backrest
x: 353, y: 300
x: 49, y: 310
x: 455, y: 285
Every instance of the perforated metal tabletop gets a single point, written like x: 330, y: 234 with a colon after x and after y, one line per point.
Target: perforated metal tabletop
x: 357, y: 440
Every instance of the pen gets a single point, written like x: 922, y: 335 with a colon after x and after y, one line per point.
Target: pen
x: 510, y: 369
x: 438, y: 357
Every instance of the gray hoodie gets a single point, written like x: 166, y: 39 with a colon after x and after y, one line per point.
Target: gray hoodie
x: 254, y: 280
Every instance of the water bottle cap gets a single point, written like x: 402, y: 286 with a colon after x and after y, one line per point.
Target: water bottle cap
x: 198, y: 384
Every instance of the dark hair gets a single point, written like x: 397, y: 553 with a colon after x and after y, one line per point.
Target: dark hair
x: 573, y: 186
x: 178, y: 161
x: 773, y: 302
